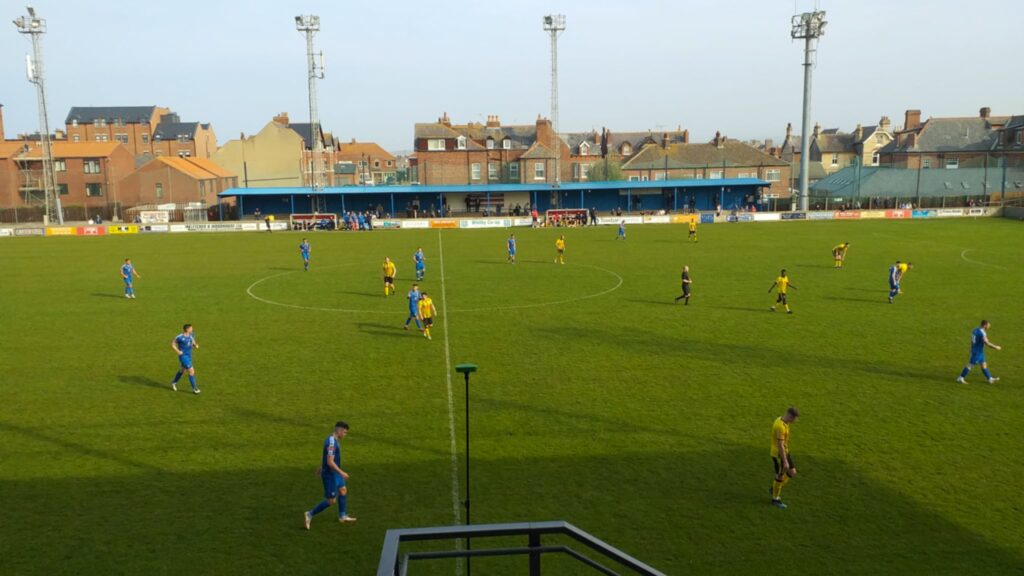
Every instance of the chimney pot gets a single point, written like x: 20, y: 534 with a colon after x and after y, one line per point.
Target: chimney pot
x: 985, y: 112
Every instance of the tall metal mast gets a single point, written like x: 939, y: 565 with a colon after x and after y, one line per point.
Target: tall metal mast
x: 554, y: 24
x: 808, y: 26
x: 35, y: 27
x: 310, y: 25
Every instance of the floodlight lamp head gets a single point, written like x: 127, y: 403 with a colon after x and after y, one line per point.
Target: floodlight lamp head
x: 554, y: 22
x: 31, y: 11
x: 465, y: 368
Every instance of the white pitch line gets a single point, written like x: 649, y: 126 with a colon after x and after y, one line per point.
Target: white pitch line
x: 963, y: 255
x: 451, y: 401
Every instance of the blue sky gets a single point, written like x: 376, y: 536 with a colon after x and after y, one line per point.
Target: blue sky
x: 706, y: 65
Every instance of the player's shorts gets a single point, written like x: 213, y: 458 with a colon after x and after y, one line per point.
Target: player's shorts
x: 561, y: 250
x: 185, y: 360
x: 305, y: 255
x: 511, y: 252
x: 894, y: 285
x: 777, y: 463
x: 428, y: 322
x: 686, y: 289
x: 127, y: 282
x: 977, y: 358
x: 693, y: 232
x: 421, y: 267
x: 389, y: 279
x: 781, y: 298
x: 332, y: 482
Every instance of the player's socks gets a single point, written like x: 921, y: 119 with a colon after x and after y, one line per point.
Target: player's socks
x: 965, y: 371
x: 192, y: 381
x: 342, y: 506
x: 776, y: 489
x: 988, y: 375
x: 177, y: 377
x: 323, y: 505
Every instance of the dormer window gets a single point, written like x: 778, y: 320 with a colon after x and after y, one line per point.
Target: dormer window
x: 627, y: 149
x: 584, y: 149
x: 460, y: 143
x: 74, y: 123
x: 490, y: 143
x: 507, y: 144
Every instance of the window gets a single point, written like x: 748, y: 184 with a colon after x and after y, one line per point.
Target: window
x: 145, y: 138
x: 391, y: 163
x: 585, y: 171
x: 576, y: 171
x: 122, y: 138
x: 75, y: 138
x: 74, y: 123
x: 474, y: 170
x: 102, y: 138
x: 492, y: 170
x: 584, y: 149
x: 659, y: 175
x: 952, y: 163
x: 99, y: 122
x: 202, y: 188
x: 876, y: 158
x: 644, y: 178
x: 634, y: 178
x: 376, y: 163
x: 184, y: 153
x: 159, y: 190
x: 835, y: 159
x: 627, y: 149
x: 715, y: 175
x: 62, y: 189
x: 60, y: 166
x: 1019, y: 138
x: 490, y: 143
x: 91, y: 167
x: 513, y: 171
x: 92, y: 190
x: 507, y: 144
x: 538, y: 170
x: 926, y: 163
x: 460, y: 143
x: 435, y: 144
x: 773, y: 175
x: 119, y: 122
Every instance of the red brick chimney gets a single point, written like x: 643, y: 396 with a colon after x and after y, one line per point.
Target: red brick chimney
x: 718, y: 139
x: 445, y: 120
x: 912, y: 119
x: 282, y: 119
x: 664, y: 139
x: 686, y: 136
x: 1, y: 122
x: 544, y: 133
x: 493, y: 121
x: 985, y: 112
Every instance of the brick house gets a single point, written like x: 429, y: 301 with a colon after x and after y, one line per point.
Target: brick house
x: 835, y: 150
x: 87, y: 173
x: 176, y: 180
x: 590, y: 148
x: 143, y: 130
x: 720, y: 158
x: 949, y: 143
x: 373, y: 163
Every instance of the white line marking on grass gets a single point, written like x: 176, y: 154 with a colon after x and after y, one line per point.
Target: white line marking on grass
x: 451, y: 401
x: 313, y: 308
x: 980, y: 263
x: 618, y: 285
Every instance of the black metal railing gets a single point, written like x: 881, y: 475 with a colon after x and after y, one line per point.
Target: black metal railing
x: 394, y: 563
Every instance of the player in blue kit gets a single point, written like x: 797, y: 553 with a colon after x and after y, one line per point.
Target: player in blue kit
x: 414, y: 307
x: 333, y: 478
x: 622, y: 231
x: 421, y: 263
x: 183, y: 344
x: 128, y: 274
x: 305, y: 249
x: 894, y: 281
x: 512, y: 248
x: 979, y: 340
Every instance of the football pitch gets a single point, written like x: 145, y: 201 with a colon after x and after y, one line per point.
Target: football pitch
x: 598, y: 401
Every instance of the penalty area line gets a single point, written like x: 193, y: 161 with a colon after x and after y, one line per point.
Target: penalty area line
x: 963, y: 256
x: 451, y: 401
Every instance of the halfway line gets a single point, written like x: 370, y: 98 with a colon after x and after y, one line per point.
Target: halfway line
x: 451, y: 402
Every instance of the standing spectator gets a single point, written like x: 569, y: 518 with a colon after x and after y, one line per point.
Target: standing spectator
x: 534, y: 215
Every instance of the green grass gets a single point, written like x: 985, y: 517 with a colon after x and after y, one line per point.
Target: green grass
x: 645, y: 423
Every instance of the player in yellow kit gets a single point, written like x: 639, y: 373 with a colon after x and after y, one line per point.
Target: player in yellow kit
x: 388, y: 270
x: 839, y: 254
x: 427, y: 313
x: 560, y: 248
x: 783, y: 284
x: 693, y: 229
x: 901, y: 269
x: 782, y: 461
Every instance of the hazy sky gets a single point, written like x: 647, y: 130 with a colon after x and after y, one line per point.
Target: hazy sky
x: 724, y: 65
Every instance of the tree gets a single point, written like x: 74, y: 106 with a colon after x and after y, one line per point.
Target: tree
x: 606, y: 170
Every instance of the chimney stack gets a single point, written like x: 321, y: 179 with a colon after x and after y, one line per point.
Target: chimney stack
x: 912, y: 119
x: 1, y: 122
x: 789, y: 130
x: 445, y: 120
x: 858, y: 133
x: 985, y: 112
x: 544, y: 132
x: 884, y: 124
x: 282, y: 119
x: 493, y: 121
x: 718, y: 139
x: 686, y: 136
x: 664, y: 140
x: 817, y: 129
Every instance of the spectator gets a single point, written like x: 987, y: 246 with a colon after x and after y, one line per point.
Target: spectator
x: 534, y: 215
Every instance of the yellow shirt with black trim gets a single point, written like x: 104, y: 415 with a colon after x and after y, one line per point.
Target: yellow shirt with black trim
x: 560, y: 244
x: 426, y: 307
x: 389, y: 269
x: 780, y: 431
x: 782, y: 283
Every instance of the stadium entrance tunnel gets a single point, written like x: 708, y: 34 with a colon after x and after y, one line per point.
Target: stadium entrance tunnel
x: 394, y: 563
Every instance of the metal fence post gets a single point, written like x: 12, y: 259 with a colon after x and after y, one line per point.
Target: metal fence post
x: 534, y: 556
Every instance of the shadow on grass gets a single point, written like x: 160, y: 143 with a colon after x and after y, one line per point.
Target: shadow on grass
x: 638, y: 301
x: 764, y: 308
x: 868, y: 300
x: 144, y: 381
x: 392, y: 330
x: 106, y: 295
x: 683, y: 513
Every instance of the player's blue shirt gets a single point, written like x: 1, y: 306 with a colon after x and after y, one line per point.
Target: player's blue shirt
x: 419, y: 259
x: 361, y: 219
x: 185, y: 343
x: 894, y: 274
x: 414, y: 299
x: 511, y: 245
x: 332, y: 450
x: 622, y: 229
x: 128, y: 270
x: 978, y: 341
